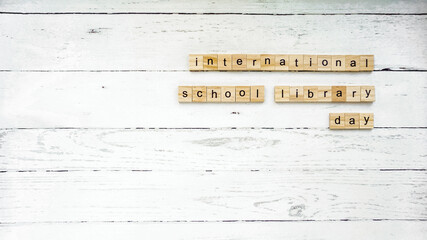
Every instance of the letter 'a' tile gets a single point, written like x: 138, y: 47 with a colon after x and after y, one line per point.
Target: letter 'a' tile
x: 324, y: 94
x: 281, y: 94
x: 336, y: 121
x: 353, y: 94
x: 185, y: 94
x: 228, y: 94
x: 196, y: 62
x: 352, y: 120
x: 339, y: 93
x: 366, y: 120
x: 282, y: 63
x: 213, y: 94
x: 239, y: 62
x: 257, y: 93
x: 243, y: 94
x: 224, y: 62
x: 367, y: 93
x: 352, y: 63
x: 366, y: 63
x: 199, y: 93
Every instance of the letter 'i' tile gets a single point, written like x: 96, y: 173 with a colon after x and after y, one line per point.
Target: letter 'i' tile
x: 224, y: 62
x: 196, y: 62
x: 366, y: 120
x: 324, y: 94
x: 324, y: 63
x: 268, y: 62
x: 336, y: 121
x: 352, y: 120
x: 338, y: 63
x: 366, y: 63
x: 213, y: 94
x: 257, y: 93
x: 282, y: 63
x: 239, y: 62
x: 339, y: 93
x: 353, y: 94
x: 228, y: 94
x: 281, y: 94
x: 296, y: 62
x: 367, y: 93
x: 310, y: 62
x: 296, y: 94
x: 253, y: 62
x: 352, y: 63
x: 310, y: 94
x: 243, y: 94
x: 185, y: 94
x: 199, y: 94
x: 210, y: 62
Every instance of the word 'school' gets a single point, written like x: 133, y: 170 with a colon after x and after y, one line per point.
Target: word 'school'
x: 220, y: 94
x: 283, y: 94
x: 351, y: 120
x: 281, y: 62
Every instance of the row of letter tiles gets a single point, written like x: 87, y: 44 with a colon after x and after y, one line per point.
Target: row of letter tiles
x: 280, y: 62
x: 283, y: 94
x: 220, y: 94
x: 351, y: 120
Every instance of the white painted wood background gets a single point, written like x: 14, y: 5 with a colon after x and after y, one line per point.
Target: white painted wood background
x: 94, y: 145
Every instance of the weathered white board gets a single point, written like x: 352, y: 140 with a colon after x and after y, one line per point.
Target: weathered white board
x: 149, y: 99
x: 163, y: 42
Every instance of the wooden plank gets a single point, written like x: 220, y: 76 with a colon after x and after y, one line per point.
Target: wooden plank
x: 215, y: 149
x: 212, y: 196
x: 239, y: 6
x: 391, y: 230
x: 151, y: 42
x: 149, y: 99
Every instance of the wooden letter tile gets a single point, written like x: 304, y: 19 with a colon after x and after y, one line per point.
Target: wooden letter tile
x: 296, y: 94
x: 352, y: 63
x: 228, y: 94
x: 352, y: 120
x: 367, y: 93
x: 224, y: 62
x: 366, y: 63
x: 310, y: 62
x: 336, y: 121
x: 296, y: 62
x: 324, y: 63
x: 281, y: 94
x: 338, y: 63
x: 213, y: 94
x: 310, y: 94
x: 199, y: 94
x: 268, y: 62
x: 239, y: 62
x: 339, y: 93
x: 257, y: 93
x: 196, y: 62
x: 324, y: 94
x: 282, y: 63
x: 243, y: 94
x: 185, y: 94
x: 353, y: 94
x: 253, y: 62
x: 366, y: 120
x: 210, y: 62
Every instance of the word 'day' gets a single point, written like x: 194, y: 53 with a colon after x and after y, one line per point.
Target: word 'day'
x: 351, y: 120
x: 221, y: 94
x: 281, y: 62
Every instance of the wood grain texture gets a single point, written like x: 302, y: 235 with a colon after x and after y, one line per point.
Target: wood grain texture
x: 214, y: 149
x: 219, y: 6
x: 163, y: 42
x: 391, y: 230
x: 212, y: 196
x: 149, y: 99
